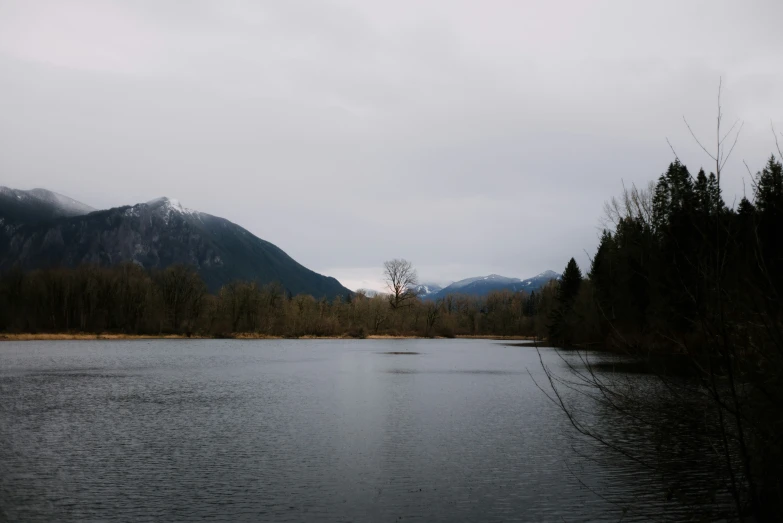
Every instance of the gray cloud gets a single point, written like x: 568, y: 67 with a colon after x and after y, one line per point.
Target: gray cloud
x: 468, y: 137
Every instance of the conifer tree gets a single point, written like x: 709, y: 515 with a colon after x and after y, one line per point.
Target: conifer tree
x: 702, y: 193
x: 769, y: 212
x: 603, y: 273
x: 745, y: 209
x: 561, y: 319
x: 717, y: 205
x: 569, y: 283
x: 769, y: 190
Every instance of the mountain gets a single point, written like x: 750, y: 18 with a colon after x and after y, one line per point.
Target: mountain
x: 483, y: 285
x: 478, y: 286
x: 426, y: 289
x: 55, y: 231
x: 537, y: 282
x: 38, y: 205
x: 368, y: 292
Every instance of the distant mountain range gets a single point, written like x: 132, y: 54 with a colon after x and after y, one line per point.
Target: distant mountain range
x: 40, y: 228
x: 483, y: 285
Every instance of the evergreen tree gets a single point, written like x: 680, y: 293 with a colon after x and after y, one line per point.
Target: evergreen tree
x: 707, y: 195
x: 530, y: 308
x: 717, y: 205
x: 603, y: 273
x: 702, y: 193
x: 661, y: 204
x: 562, y: 319
x: 569, y: 283
x: 745, y: 209
x: 769, y: 190
x: 635, y: 245
x: 769, y: 212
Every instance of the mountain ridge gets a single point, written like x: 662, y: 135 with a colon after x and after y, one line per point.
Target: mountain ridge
x: 154, y: 235
x: 480, y: 286
x: 38, y: 204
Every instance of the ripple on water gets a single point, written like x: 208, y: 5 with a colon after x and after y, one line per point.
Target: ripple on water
x: 325, y: 432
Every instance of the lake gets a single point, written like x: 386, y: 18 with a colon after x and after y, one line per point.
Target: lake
x: 291, y: 430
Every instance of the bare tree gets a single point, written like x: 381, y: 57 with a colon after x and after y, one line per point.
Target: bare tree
x: 400, y: 278
x: 634, y: 203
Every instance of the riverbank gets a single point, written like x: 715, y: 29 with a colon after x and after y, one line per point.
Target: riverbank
x: 237, y: 336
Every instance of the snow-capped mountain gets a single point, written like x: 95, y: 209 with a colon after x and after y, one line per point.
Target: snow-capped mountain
x: 538, y: 281
x: 483, y: 285
x: 368, y: 292
x: 477, y: 286
x: 154, y: 235
x: 170, y: 204
x: 426, y: 289
x: 38, y: 205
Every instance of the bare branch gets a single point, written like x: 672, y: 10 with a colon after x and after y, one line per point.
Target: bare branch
x: 697, y: 140
x: 777, y: 144
x: 736, y: 138
x: 729, y: 131
x: 673, y: 151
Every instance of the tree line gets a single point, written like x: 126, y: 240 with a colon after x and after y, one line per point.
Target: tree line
x: 127, y: 299
x: 675, y: 256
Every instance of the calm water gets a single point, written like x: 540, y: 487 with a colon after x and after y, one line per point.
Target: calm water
x: 289, y: 430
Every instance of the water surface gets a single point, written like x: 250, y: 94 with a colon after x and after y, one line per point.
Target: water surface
x: 287, y: 430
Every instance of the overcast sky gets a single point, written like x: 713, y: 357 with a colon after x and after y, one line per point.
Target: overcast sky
x: 470, y: 137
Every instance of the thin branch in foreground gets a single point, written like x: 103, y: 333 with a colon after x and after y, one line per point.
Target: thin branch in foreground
x: 697, y: 140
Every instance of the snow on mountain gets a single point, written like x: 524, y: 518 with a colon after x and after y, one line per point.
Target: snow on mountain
x: 173, y: 204
x: 465, y: 282
x: 426, y: 289
x: 67, y: 205
x: 491, y: 279
x: 165, y: 207
x: 49, y: 202
x: 368, y: 292
x: 477, y: 286
x: 541, y: 279
x: 483, y: 285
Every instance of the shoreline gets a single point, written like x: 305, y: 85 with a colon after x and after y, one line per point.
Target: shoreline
x: 64, y: 336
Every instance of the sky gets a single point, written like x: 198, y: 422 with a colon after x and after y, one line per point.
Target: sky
x: 467, y: 137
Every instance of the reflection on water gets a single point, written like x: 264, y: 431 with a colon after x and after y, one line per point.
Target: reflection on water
x: 458, y: 371
x: 293, y: 430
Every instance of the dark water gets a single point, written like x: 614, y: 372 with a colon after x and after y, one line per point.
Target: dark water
x: 294, y: 430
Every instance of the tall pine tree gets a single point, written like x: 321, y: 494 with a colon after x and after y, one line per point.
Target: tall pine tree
x: 769, y: 212
x: 562, y: 320
x: 603, y: 274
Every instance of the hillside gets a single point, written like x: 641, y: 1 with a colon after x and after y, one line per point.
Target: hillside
x: 156, y: 234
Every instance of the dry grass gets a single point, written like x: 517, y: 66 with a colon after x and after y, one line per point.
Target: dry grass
x: 238, y: 336
x: 83, y: 336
